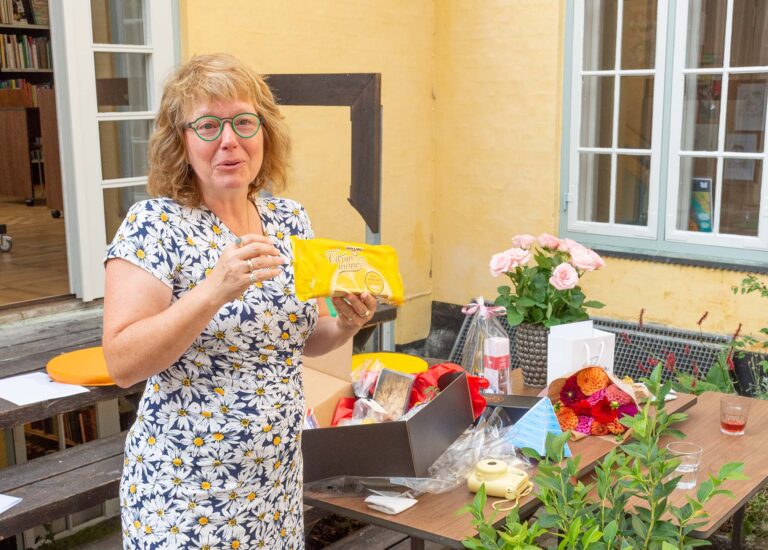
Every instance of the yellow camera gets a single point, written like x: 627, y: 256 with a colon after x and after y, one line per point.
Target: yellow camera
x: 501, y: 479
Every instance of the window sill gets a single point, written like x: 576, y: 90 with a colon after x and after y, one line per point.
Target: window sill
x: 710, y: 264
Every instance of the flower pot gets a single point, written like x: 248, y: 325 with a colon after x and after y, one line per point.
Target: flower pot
x: 531, y: 349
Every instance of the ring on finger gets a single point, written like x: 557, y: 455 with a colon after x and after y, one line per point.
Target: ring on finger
x: 252, y: 277
x: 249, y: 263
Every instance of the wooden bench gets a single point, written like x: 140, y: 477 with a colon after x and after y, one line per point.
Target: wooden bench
x: 54, y: 485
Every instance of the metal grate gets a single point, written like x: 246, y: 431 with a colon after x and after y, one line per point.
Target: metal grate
x: 638, y: 348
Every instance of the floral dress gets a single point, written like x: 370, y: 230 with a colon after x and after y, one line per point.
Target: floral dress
x: 213, y: 460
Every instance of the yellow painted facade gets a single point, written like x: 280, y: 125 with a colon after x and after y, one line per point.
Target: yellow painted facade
x: 472, y: 97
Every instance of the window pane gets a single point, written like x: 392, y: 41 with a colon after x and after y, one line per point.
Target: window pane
x: 741, y: 196
x: 117, y: 201
x: 632, y: 179
x: 599, y: 34
x: 117, y: 22
x: 124, y: 146
x: 594, y: 187
x: 749, y: 39
x: 701, y: 112
x: 597, y: 111
x: 636, y: 112
x: 745, y: 119
x: 121, y: 82
x: 706, y: 33
x: 696, y: 199
x: 638, y: 34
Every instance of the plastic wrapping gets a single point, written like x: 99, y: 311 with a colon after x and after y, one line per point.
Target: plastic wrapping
x: 490, y: 438
x: 324, y: 267
x: 485, y: 337
x: 364, y: 378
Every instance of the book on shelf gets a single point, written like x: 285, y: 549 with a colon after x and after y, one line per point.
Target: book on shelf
x: 24, y: 52
x: 39, y: 10
x: 17, y: 12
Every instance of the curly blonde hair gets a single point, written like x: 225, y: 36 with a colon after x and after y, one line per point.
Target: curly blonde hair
x: 204, y: 78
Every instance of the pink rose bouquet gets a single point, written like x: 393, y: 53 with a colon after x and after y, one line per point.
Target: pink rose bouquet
x: 545, y: 273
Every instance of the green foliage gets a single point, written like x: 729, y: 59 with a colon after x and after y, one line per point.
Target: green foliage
x: 718, y: 377
x: 532, y: 299
x: 758, y: 366
x: 597, y: 515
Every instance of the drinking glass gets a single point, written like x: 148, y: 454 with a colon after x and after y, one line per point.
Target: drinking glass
x: 689, y: 455
x: 734, y: 412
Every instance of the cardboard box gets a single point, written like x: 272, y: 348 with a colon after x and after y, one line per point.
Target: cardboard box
x: 403, y: 448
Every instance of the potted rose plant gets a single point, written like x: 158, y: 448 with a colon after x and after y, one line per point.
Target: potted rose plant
x: 545, y: 273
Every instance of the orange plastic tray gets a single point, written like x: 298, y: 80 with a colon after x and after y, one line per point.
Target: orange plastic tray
x: 86, y: 367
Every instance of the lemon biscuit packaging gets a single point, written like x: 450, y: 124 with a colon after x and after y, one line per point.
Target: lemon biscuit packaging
x: 325, y: 267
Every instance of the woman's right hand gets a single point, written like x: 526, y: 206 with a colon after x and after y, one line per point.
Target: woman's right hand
x: 252, y: 260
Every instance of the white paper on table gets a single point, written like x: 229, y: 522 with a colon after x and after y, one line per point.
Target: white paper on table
x: 572, y: 346
x: 7, y: 502
x: 35, y: 387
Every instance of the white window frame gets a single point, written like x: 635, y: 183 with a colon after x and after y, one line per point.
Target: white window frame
x: 662, y: 239
x: 760, y: 242
x: 78, y: 118
x: 611, y: 228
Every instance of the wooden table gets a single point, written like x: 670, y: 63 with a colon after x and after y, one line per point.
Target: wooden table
x: 703, y: 427
x: 32, y: 356
x: 435, y: 517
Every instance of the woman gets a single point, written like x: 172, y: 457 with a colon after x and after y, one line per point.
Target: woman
x: 200, y: 302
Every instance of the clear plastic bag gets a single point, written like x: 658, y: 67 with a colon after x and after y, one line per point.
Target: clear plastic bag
x: 346, y: 486
x: 486, y: 338
x: 491, y: 437
x: 364, y: 378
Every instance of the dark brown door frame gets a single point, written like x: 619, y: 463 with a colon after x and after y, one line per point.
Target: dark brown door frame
x: 362, y: 93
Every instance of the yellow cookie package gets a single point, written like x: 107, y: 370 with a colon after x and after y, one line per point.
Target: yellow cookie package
x: 324, y: 267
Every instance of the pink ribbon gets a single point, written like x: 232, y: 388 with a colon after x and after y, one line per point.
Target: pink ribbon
x: 485, y: 311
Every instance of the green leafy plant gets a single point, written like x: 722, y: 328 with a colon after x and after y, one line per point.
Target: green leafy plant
x: 545, y: 272
x: 758, y: 362
x: 624, y: 505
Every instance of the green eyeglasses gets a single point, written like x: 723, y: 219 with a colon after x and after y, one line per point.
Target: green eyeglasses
x: 209, y: 127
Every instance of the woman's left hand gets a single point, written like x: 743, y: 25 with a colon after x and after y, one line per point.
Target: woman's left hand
x: 354, y: 310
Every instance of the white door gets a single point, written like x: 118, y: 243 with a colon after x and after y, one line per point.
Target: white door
x: 110, y: 59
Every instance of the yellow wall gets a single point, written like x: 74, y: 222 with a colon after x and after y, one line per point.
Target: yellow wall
x: 497, y: 138
x: 394, y: 38
x: 472, y: 96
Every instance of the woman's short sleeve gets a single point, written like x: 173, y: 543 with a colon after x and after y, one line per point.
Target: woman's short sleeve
x: 144, y: 239
x: 305, y: 226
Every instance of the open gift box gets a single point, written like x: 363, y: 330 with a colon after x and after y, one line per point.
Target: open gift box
x: 402, y: 448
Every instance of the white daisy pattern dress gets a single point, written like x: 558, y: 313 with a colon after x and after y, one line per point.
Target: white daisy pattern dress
x: 213, y: 460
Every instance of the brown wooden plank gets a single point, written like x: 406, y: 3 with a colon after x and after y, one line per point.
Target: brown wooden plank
x: 318, y: 89
x: 56, y: 464
x: 361, y: 92
x: 58, y: 496
x: 12, y: 414
x: 54, y: 197
x: 42, y: 330
x: 42, y: 351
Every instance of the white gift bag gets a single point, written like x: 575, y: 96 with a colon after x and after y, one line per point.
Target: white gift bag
x: 574, y: 345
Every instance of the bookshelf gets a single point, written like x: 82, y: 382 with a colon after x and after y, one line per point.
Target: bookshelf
x: 27, y: 104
